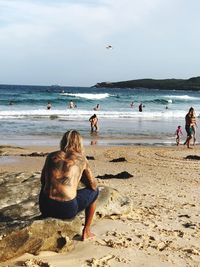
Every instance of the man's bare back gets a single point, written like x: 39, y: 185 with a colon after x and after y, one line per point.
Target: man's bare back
x: 59, y: 195
x: 62, y: 173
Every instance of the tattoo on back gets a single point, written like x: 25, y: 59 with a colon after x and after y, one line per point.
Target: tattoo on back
x: 64, y: 180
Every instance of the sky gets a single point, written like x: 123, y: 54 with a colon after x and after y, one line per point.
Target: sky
x: 47, y: 42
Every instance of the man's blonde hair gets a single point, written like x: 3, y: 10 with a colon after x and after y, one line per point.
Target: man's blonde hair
x: 72, y: 141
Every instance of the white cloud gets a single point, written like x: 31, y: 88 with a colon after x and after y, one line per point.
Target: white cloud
x: 48, y: 38
x: 32, y: 19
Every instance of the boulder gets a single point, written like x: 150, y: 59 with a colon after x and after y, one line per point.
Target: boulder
x: 32, y: 235
x: 47, y: 234
x: 110, y: 202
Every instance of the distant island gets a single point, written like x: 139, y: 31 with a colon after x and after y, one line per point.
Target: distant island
x: 164, y: 84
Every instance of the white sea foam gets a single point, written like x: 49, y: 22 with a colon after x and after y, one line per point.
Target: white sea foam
x: 76, y: 114
x: 182, y: 97
x: 87, y: 96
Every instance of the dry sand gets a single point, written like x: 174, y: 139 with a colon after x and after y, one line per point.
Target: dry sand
x: 163, y: 228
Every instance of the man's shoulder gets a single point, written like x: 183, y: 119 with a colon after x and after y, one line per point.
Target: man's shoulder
x: 55, y: 153
x: 187, y: 116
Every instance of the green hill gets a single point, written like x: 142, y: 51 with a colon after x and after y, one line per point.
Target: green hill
x: 165, y: 84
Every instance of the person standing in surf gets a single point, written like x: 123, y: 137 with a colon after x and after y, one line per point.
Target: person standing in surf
x: 94, y: 123
x: 140, y: 107
x: 97, y: 107
x: 71, y: 104
x: 49, y: 105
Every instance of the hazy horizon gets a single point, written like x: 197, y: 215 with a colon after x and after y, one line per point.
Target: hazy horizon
x: 65, y: 85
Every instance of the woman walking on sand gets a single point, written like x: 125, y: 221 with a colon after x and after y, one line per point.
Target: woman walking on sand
x: 194, y: 127
x: 190, y: 126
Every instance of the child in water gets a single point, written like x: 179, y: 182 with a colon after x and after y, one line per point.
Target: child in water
x: 178, y: 134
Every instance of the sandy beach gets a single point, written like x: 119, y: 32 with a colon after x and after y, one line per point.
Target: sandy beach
x: 163, y: 227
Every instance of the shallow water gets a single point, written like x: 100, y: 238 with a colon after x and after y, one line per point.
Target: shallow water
x: 7, y: 159
x: 27, y: 121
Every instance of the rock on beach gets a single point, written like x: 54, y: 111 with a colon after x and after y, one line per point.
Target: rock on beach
x: 23, y: 231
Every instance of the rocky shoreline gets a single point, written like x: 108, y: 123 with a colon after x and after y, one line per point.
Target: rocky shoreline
x: 164, y: 84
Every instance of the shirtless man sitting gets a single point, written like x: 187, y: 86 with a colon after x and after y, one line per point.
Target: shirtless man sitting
x: 62, y: 171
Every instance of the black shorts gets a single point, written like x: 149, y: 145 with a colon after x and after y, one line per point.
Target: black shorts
x: 67, y: 209
x: 188, y: 130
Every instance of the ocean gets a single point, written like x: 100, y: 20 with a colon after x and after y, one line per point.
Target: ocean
x: 25, y: 119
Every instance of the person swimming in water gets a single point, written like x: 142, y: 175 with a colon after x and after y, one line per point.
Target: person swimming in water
x: 97, y: 107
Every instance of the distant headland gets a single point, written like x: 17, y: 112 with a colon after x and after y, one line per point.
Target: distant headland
x: 164, y: 84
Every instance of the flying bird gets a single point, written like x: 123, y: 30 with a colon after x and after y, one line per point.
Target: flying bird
x: 109, y: 47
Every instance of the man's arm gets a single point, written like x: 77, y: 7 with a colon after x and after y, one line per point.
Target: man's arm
x: 43, y: 173
x: 88, y: 179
